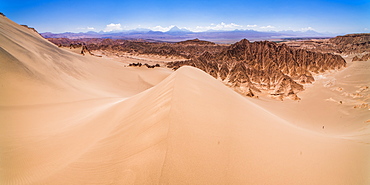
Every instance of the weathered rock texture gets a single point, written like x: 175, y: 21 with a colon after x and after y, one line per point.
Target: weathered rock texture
x: 352, y: 43
x: 264, y: 67
x: 347, y: 44
x: 185, y: 49
x: 196, y: 42
x: 249, y: 68
x: 365, y: 57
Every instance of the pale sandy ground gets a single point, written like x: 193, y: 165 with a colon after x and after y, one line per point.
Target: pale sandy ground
x: 338, y: 101
x: 71, y: 119
x: 128, y: 58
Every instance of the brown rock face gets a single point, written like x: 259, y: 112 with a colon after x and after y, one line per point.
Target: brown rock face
x: 363, y: 58
x: 249, y: 68
x: 196, y: 42
x: 347, y: 44
x: 185, y: 49
x: 352, y: 43
x: 264, y: 67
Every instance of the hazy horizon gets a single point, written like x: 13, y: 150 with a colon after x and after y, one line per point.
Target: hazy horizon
x: 82, y: 16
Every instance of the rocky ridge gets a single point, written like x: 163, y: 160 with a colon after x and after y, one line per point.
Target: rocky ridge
x: 185, y: 49
x: 196, y: 42
x: 265, y: 67
x: 346, y: 44
x: 352, y: 43
x: 365, y: 57
x: 250, y: 68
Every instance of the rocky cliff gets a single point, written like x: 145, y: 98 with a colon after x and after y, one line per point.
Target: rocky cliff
x: 365, y: 57
x: 352, y: 43
x: 347, y: 44
x: 196, y: 42
x: 185, y: 49
x: 250, y: 68
x: 264, y: 67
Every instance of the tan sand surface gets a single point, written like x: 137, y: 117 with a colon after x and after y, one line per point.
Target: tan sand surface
x: 337, y: 103
x: 70, y: 119
x: 128, y: 58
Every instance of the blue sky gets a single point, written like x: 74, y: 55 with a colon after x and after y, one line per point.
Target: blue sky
x: 341, y: 16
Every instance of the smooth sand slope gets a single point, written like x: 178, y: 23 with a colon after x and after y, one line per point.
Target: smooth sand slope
x: 336, y: 104
x: 68, y: 119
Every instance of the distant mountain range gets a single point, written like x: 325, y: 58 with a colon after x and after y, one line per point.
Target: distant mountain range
x: 176, y: 34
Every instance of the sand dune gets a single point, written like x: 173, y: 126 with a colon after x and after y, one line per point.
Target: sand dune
x: 337, y: 103
x: 47, y: 71
x: 69, y: 119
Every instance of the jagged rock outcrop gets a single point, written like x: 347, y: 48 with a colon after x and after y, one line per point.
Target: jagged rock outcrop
x: 186, y: 49
x: 147, y: 65
x: 60, y: 42
x: 351, y: 39
x: 352, y: 43
x: 83, y: 49
x: 347, y: 44
x: 249, y: 68
x: 197, y: 42
x: 365, y: 57
x: 264, y: 67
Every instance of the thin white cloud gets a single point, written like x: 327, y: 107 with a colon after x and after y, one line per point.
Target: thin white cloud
x: 252, y: 26
x: 306, y: 29
x: 160, y: 28
x: 113, y: 27
x: 267, y: 27
x: 87, y: 28
x: 221, y: 26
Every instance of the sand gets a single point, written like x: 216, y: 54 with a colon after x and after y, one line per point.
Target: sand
x: 72, y: 119
x: 128, y: 58
x: 337, y: 101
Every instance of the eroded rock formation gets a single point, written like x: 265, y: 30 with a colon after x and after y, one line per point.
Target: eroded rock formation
x: 365, y: 57
x: 185, y: 49
x: 347, y: 44
x: 196, y: 42
x: 249, y: 68
x: 265, y: 66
